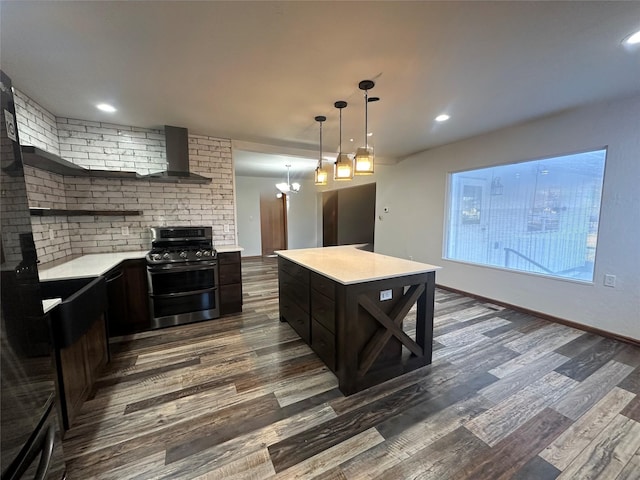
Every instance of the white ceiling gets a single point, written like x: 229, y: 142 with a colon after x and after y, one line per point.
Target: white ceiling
x: 258, y: 72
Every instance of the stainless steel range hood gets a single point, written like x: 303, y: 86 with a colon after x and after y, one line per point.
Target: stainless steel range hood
x: 177, y: 149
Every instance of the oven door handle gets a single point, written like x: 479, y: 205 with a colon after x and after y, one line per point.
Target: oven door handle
x: 182, y: 268
x: 184, y: 294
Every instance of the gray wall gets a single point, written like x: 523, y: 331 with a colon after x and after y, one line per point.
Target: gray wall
x: 415, y: 192
x: 301, y: 214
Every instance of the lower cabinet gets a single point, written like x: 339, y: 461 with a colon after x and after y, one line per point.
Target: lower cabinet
x: 307, y: 303
x: 128, y: 293
x: 323, y: 342
x: 323, y: 319
x: 293, y: 294
x: 295, y: 315
x: 230, y: 282
x: 78, y: 366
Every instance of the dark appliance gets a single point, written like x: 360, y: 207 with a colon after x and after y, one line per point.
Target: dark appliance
x: 182, y: 268
x: 30, y: 444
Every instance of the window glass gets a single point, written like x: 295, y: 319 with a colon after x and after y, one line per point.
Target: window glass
x: 539, y: 216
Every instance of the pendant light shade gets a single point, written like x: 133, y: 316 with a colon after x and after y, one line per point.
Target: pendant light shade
x: 364, y: 160
x: 321, y: 175
x: 343, y: 168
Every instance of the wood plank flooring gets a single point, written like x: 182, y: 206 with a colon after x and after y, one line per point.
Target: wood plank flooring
x: 508, y: 396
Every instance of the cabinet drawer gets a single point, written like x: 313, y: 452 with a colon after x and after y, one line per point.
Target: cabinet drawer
x: 324, y: 285
x: 293, y: 288
x: 299, y: 273
x: 229, y: 273
x: 228, y: 257
x: 323, y: 343
x: 296, y: 317
x: 323, y: 310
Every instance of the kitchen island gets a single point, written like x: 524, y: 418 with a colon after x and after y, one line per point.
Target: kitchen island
x: 351, y: 306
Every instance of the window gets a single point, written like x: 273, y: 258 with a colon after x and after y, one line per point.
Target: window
x: 539, y: 216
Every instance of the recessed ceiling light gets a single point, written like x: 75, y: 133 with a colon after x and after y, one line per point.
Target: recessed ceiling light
x: 442, y: 118
x: 105, y: 107
x: 633, y: 39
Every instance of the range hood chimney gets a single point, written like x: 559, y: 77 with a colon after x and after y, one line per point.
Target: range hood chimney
x: 177, y: 139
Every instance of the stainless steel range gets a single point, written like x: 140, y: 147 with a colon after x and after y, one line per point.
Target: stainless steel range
x: 182, y: 268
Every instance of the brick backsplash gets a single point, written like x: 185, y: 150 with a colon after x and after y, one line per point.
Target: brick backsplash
x: 104, y: 146
x: 36, y: 126
x: 45, y: 189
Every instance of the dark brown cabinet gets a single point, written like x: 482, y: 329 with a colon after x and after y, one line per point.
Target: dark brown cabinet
x: 323, y: 319
x: 307, y: 303
x: 293, y: 289
x: 128, y: 298
x: 230, y: 282
x: 356, y: 327
x: 78, y: 365
x: 349, y: 215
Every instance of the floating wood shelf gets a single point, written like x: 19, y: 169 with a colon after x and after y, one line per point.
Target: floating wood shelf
x: 52, y: 212
x: 38, y: 158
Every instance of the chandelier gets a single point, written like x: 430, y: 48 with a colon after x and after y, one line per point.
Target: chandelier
x: 288, y: 187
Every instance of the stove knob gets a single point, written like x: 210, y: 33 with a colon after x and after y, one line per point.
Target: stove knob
x: 207, y: 253
x: 166, y: 256
x: 199, y: 253
x: 157, y: 256
x: 183, y: 254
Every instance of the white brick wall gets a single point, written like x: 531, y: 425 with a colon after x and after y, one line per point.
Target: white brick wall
x: 36, y: 126
x: 45, y: 189
x: 52, y: 238
x: 106, y: 146
x: 117, y: 147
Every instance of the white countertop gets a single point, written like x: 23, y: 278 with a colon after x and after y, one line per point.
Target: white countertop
x: 100, y: 263
x: 87, y: 265
x: 49, y: 303
x: 348, y: 265
x: 228, y: 248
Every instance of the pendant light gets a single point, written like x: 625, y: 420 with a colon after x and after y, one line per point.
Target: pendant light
x: 321, y: 175
x: 344, y: 165
x: 363, y: 164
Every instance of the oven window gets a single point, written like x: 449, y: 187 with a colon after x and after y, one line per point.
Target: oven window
x: 174, y: 282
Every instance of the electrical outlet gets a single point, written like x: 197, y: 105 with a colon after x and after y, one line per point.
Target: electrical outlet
x: 386, y: 295
x: 226, y: 228
x: 125, y: 231
x: 609, y: 280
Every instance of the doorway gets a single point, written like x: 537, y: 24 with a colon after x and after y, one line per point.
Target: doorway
x: 273, y: 223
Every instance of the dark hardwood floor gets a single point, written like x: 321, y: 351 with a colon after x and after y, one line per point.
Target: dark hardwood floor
x: 507, y: 396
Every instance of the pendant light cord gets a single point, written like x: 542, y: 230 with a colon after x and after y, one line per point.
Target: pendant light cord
x: 340, y: 151
x: 366, y: 111
x: 320, y: 159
